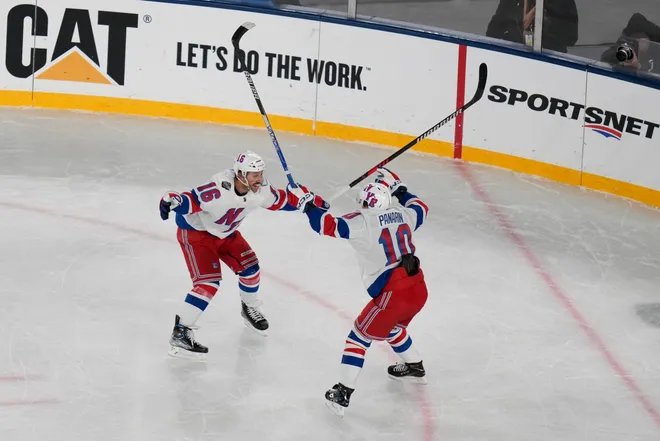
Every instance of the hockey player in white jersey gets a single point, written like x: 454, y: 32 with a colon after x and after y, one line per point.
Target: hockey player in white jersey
x: 208, y: 218
x: 381, y: 233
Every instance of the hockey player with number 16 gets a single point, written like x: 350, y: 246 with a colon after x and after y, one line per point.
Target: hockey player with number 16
x: 208, y: 218
x: 381, y: 233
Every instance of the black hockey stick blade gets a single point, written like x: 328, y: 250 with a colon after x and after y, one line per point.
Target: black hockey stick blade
x: 238, y: 34
x: 481, y: 87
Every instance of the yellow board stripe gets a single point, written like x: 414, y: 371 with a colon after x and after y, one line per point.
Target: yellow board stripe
x: 620, y: 188
x: 330, y: 130
x: 351, y: 133
x: 15, y: 98
x: 523, y: 165
x: 166, y: 110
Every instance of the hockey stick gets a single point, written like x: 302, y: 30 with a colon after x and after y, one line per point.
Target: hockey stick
x: 483, y: 76
x: 235, y: 40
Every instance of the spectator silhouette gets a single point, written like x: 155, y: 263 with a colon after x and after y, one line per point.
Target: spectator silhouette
x: 560, y: 23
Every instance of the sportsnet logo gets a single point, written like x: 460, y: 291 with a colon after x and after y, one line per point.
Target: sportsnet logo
x: 607, y: 132
x: 74, y: 54
x: 604, y: 122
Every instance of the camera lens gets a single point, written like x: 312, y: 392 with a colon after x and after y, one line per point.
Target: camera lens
x: 624, y: 53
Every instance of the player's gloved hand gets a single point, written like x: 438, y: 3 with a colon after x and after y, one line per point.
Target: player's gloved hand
x: 294, y: 195
x: 305, y: 200
x: 169, y: 202
x: 391, y: 180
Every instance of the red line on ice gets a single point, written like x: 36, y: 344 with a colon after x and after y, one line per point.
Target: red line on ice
x: 556, y: 290
x: 8, y: 378
x: 27, y: 403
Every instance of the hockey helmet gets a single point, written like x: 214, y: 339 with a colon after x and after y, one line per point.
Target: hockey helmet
x: 375, y: 196
x: 248, y: 162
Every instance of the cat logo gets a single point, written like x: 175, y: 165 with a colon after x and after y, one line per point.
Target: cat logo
x: 75, y: 55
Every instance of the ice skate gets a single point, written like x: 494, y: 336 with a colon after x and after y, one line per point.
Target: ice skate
x: 413, y: 372
x: 338, y: 398
x: 183, y: 344
x: 254, y: 319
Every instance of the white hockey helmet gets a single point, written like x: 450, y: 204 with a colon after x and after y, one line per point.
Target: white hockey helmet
x: 375, y: 196
x: 248, y: 162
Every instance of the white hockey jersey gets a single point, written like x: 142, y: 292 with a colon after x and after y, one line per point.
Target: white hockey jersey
x: 216, y: 208
x: 379, y: 237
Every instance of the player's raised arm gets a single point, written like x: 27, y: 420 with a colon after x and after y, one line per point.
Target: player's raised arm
x: 320, y: 220
x: 417, y: 209
x: 275, y: 199
x: 292, y: 196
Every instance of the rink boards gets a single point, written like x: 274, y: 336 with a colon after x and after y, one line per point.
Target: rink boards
x: 350, y: 80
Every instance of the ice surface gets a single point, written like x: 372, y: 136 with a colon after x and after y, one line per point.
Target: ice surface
x: 537, y: 327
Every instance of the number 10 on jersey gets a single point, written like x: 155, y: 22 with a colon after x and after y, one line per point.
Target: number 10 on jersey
x: 397, y: 245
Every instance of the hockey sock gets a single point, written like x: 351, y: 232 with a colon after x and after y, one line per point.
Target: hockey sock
x: 401, y: 343
x: 196, y: 302
x: 248, y: 284
x: 353, y: 358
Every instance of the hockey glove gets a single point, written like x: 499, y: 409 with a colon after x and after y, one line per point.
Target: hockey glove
x: 305, y: 202
x: 294, y: 195
x: 391, y: 180
x: 169, y: 202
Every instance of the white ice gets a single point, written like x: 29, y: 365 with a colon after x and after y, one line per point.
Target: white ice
x: 532, y: 330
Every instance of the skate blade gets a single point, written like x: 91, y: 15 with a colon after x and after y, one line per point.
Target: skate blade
x: 182, y: 354
x: 417, y: 380
x: 335, y: 408
x: 249, y: 325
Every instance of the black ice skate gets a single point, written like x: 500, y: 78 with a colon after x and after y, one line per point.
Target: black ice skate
x: 183, y: 344
x: 408, y: 371
x: 254, y: 319
x: 338, y: 398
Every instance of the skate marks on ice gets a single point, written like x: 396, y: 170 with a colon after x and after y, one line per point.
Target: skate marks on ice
x: 234, y: 387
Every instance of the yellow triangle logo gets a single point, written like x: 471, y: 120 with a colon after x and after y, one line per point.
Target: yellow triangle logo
x: 74, y: 67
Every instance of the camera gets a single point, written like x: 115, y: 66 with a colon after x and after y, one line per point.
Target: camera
x: 625, y: 52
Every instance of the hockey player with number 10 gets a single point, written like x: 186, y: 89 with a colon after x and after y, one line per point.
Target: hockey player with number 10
x: 381, y: 234
x: 208, y: 218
